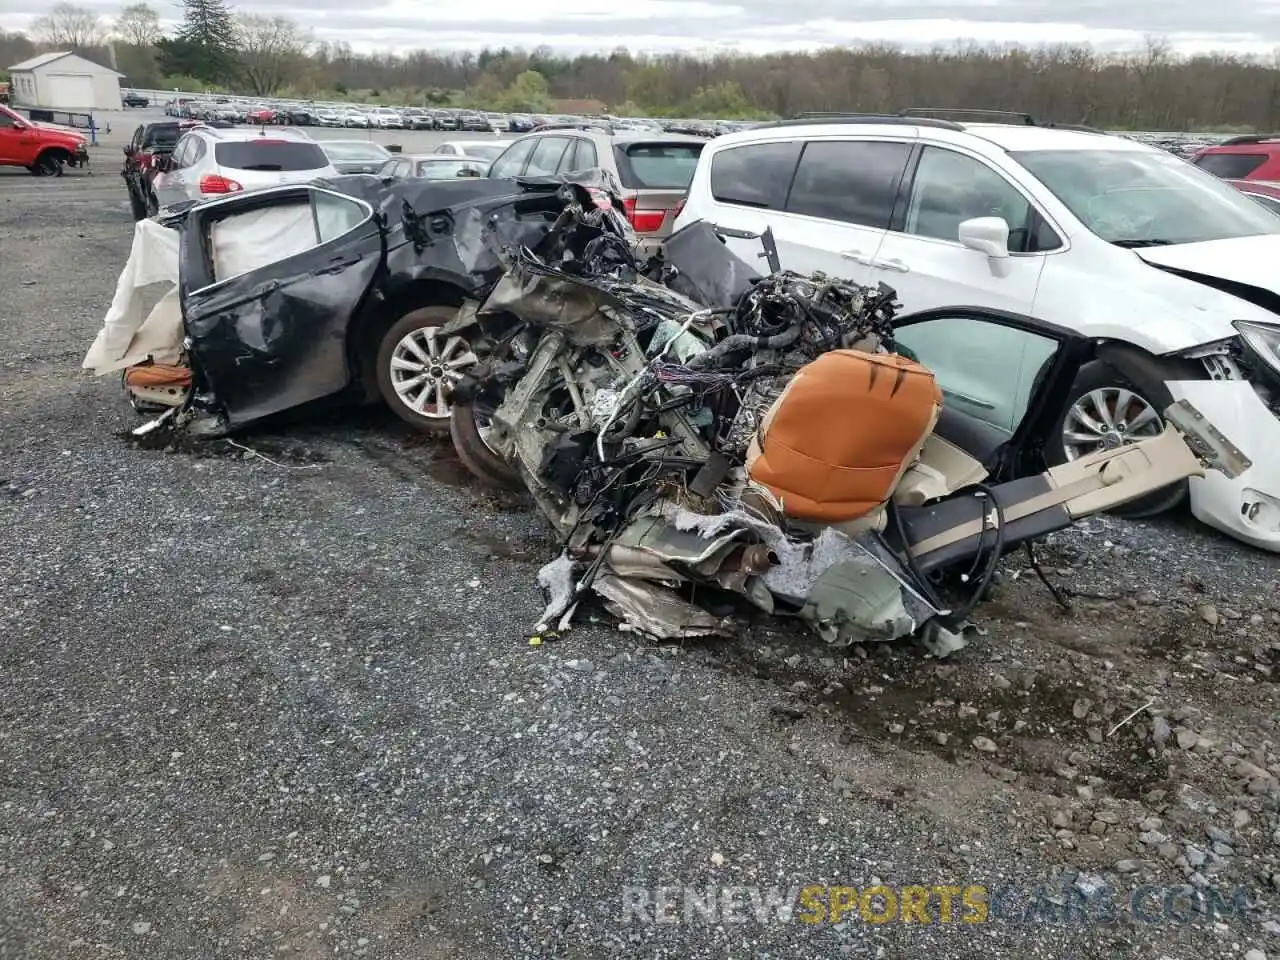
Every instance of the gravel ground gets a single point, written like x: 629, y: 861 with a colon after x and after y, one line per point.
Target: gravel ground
x: 285, y: 707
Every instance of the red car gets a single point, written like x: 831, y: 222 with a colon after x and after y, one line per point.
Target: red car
x: 1267, y: 194
x: 42, y: 148
x: 262, y: 115
x: 1242, y: 158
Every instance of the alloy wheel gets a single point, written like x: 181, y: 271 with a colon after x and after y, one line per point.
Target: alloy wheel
x: 1107, y: 418
x: 425, y: 367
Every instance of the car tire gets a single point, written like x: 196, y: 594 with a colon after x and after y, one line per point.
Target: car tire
x: 1136, y: 380
x: 476, y: 455
x: 48, y: 164
x: 138, y: 206
x: 409, y: 340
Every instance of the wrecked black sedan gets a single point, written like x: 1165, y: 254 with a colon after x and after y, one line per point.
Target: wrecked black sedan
x: 288, y: 295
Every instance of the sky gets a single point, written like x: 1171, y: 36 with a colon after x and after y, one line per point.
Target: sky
x: 753, y: 26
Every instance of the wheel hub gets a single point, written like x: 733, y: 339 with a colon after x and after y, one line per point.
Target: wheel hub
x: 425, y: 367
x: 1106, y: 419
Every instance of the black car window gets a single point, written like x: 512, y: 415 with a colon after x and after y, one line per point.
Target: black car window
x: 545, y: 158
x: 569, y: 163
x: 657, y: 166
x: 950, y: 188
x: 755, y: 175
x: 587, y: 158
x: 1231, y: 166
x: 334, y: 216
x: 181, y: 152
x: 511, y: 163
x: 270, y: 155
x: 160, y: 135
x: 849, y: 180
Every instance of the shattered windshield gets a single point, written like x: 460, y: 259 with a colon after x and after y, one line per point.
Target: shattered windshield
x: 1136, y: 198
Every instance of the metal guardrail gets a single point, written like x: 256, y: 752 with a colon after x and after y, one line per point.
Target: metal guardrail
x: 79, y: 119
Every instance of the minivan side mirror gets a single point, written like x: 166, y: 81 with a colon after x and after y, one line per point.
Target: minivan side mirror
x: 987, y: 235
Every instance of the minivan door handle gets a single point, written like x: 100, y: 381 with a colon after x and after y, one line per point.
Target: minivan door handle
x: 857, y: 256
x: 895, y: 265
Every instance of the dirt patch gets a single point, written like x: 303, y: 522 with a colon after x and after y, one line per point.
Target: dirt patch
x: 1126, y: 732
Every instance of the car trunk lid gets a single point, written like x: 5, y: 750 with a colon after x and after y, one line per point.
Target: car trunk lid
x: 655, y: 175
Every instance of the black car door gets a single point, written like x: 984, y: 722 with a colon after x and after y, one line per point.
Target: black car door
x: 1004, y: 379
x: 269, y: 282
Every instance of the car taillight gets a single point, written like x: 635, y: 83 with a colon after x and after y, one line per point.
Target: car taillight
x: 213, y: 183
x: 644, y: 221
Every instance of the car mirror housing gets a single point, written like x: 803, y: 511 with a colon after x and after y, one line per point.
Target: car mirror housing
x: 987, y: 235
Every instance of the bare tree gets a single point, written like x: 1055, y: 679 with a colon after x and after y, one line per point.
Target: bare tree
x: 67, y: 25
x: 138, y: 25
x: 272, y: 51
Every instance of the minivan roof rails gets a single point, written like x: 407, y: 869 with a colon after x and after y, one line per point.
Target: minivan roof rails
x: 996, y: 116
x: 811, y: 118
x: 949, y: 119
x: 987, y: 116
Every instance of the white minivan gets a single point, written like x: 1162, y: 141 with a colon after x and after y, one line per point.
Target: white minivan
x: 1173, y: 271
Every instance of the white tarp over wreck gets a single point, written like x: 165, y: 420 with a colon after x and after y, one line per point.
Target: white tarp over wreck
x: 128, y: 335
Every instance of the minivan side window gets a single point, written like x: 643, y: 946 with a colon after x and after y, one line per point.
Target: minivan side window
x: 855, y: 181
x: 754, y: 175
x: 950, y: 188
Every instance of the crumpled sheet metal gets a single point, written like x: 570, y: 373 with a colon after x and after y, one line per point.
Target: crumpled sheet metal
x: 656, y: 611
x: 703, y: 269
x: 842, y: 586
x: 616, y: 347
x: 575, y: 308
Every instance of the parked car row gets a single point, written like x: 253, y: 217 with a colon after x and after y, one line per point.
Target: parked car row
x: 368, y: 116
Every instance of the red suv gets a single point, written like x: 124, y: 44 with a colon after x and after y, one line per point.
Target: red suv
x: 1242, y: 158
x: 40, y: 147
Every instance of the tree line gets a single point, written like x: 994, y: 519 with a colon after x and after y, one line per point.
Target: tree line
x: 217, y: 49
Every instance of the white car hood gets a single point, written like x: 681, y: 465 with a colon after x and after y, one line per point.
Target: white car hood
x: 1247, y: 260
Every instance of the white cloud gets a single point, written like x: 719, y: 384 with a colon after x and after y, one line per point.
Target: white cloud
x: 757, y: 26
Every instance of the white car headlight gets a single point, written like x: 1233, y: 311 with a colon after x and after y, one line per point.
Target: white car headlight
x: 1263, y: 339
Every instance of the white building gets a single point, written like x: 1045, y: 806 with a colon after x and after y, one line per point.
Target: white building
x: 64, y: 81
